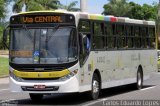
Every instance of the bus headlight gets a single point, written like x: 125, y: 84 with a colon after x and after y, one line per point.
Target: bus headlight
x: 71, y: 74
x: 11, y: 69
x: 14, y: 76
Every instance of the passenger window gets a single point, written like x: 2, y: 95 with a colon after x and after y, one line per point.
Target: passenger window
x: 84, y: 26
x: 98, y: 37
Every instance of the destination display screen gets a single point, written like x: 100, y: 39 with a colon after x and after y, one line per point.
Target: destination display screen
x: 35, y: 19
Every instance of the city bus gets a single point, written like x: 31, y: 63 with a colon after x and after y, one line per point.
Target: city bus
x: 72, y: 52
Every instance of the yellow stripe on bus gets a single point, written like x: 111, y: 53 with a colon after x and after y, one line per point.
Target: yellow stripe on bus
x: 53, y: 74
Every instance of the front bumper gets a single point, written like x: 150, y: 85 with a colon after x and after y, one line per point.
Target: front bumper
x: 67, y: 86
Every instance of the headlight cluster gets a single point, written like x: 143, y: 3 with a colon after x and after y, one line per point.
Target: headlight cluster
x: 71, y: 74
x: 15, y: 77
x: 68, y: 76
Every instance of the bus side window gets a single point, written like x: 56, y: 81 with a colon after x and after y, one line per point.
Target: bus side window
x: 98, y: 35
x: 152, y: 37
x: 107, y: 29
x: 144, y: 37
x: 120, y: 35
x: 84, y: 26
x: 129, y: 36
x: 137, y: 37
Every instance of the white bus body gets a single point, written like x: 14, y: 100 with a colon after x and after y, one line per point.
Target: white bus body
x: 114, y: 67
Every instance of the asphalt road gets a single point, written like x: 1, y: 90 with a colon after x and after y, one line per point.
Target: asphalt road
x: 109, y: 97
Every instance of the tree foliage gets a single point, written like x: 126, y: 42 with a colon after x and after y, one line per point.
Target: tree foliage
x: 70, y: 7
x: 122, y: 8
x: 2, y: 8
x: 145, y: 12
x: 118, y: 8
x: 3, y: 4
x: 1, y: 39
x: 35, y: 5
x: 48, y: 4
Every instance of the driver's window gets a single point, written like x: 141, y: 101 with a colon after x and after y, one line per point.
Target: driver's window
x: 84, y: 40
x: 86, y: 43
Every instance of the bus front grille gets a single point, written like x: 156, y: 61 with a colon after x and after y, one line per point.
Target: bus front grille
x: 42, y: 69
x: 30, y: 88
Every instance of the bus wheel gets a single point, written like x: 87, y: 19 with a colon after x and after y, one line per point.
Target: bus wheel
x: 36, y: 97
x: 95, y: 87
x: 139, y: 83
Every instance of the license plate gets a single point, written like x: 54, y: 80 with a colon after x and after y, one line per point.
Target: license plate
x: 39, y: 86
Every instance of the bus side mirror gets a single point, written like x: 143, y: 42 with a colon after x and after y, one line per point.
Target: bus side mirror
x: 5, y: 37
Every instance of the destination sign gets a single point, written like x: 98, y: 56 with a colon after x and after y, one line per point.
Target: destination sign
x: 33, y: 19
x: 43, y: 19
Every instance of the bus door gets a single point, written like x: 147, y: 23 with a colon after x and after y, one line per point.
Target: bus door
x: 84, y: 44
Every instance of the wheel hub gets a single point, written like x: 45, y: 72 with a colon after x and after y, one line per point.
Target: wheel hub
x: 95, y: 86
x: 139, y: 79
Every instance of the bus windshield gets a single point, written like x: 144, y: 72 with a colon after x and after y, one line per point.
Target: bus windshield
x: 43, y: 45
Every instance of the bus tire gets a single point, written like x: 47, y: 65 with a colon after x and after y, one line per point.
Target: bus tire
x: 36, y: 97
x: 95, y: 91
x: 139, y: 83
